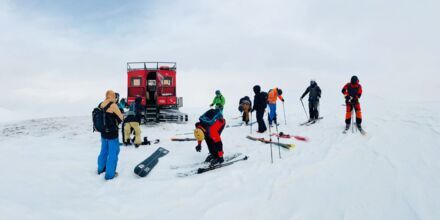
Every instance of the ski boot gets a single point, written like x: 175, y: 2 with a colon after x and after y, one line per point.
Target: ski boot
x: 347, y: 126
x: 146, y: 141
x: 209, y: 158
x: 216, y: 161
x: 359, y: 127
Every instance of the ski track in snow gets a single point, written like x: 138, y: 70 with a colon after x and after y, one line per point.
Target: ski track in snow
x: 48, y: 169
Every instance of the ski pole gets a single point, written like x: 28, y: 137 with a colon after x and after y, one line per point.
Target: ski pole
x: 352, y: 121
x: 278, y: 136
x: 284, y: 111
x: 270, y: 138
x: 304, y: 109
x: 251, y: 120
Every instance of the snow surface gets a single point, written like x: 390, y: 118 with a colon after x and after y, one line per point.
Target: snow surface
x: 48, y: 169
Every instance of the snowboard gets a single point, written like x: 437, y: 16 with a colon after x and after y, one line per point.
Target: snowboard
x: 287, y: 146
x: 144, y: 168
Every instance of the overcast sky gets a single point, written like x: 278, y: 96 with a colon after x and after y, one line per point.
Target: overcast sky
x: 59, y: 57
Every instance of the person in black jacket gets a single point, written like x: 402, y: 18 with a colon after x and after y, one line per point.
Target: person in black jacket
x: 314, y: 96
x: 108, y: 156
x: 260, y: 105
x: 245, y: 106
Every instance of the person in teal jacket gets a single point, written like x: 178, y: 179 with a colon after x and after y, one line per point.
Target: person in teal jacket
x: 219, y: 101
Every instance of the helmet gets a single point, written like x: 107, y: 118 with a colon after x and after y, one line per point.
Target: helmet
x: 217, y: 92
x: 280, y: 92
x: 354, y: 80
x: 199, y: 135
x: 312, y: 82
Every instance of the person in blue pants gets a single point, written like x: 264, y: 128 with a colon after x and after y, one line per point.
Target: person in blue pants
x: 273, y: 96
x: 108, y: 156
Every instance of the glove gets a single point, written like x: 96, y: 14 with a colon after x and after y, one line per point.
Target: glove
x: 198, y: 148
x: 211, y: 105
x: 282, y: 99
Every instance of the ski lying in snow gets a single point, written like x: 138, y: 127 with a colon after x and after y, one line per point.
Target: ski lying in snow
x: 186, y: 166
x: 287, y: 146
x: 183, y: 139
x: 240, y: 124
x: 288, y: 136
x: 144, y: 168
x: 188, y: 133
x: 310, y: 122
x: 205, y: 169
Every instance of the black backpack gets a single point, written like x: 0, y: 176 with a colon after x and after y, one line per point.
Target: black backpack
x: 99, y: 118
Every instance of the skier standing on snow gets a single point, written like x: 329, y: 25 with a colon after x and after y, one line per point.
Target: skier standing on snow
x: 245, y: 106
x: 260, y: 105
x: 273, y: 95
x: 209, y: 128
x: 314, y: 96
x: 108, y: 157
x: 132, y: 122
x: 352, y: 92
x: 219, y: 101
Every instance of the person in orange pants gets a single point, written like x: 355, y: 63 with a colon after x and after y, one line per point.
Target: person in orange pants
x: 353, y: 92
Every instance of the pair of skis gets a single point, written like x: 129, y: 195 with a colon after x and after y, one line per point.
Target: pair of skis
x: 203, y: 167
x: 288, y: 136
x: 360, y: 129
x: 310, y: 122
x: 286, y: 146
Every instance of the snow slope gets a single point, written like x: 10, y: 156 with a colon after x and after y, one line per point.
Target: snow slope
x: 48, y: 171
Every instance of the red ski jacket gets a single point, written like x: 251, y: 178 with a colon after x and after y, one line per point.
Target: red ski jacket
x: 353, y: 90
x: 214, y: 131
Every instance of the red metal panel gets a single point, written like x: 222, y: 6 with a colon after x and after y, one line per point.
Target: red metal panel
x: 172, y: 100
x: 161, y: 101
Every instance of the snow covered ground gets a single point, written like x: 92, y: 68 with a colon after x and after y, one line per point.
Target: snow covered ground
x: 48, y: 171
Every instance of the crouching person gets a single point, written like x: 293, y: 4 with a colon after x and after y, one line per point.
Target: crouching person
x: 245, y: 106
x: 108, y: 157
x: 132, y: 123
x: 209, y: 128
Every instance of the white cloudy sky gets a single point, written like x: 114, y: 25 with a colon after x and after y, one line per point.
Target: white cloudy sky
x: 59, y: 57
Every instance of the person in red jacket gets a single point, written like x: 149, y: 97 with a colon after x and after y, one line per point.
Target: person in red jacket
x: 209, y: 128
x: 353, y: 92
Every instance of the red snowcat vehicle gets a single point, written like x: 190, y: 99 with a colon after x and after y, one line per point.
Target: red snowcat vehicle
x: 155, y: 83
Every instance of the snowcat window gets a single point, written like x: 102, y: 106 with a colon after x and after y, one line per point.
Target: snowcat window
x: 166, y: 81
x: 136, y: 81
